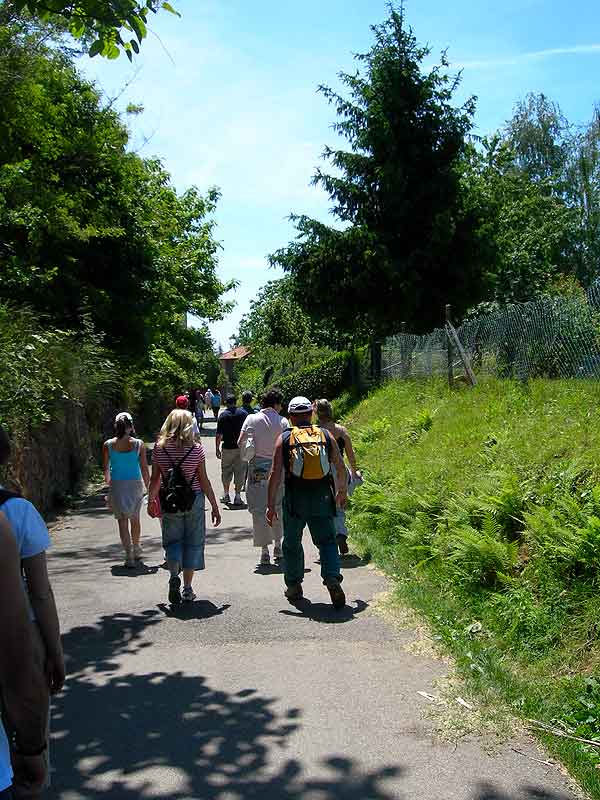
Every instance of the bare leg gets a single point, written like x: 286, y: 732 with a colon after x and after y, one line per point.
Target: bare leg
x: 188, y: 577
x: 226, y: 488
x: 174, y: 568
x: 136, y: 530
x: 124, y: 534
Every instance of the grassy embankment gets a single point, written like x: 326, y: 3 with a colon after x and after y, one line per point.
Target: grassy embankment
x: 484, y: 505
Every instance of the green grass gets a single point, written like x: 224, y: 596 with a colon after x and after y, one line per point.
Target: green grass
x: 484, y: 505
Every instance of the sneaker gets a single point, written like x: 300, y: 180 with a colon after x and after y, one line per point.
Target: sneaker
x: 277, y: 553
x: 174, y: 590
x: 226, y: 499
x: 338, y: 598
x: 294, y: 592
x: 265, y: 558
x: 138, y: 552
x: 237, y: 500
x: 342, y: 543
x: 188, y: 594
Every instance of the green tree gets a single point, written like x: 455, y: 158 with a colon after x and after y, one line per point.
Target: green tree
x: 527, y: 230
x: 583, y: 192
x: 275, y: 318
x: 85, y: 224
x: 109, y: 26
x: 538, y: 134
x: 406, y: 242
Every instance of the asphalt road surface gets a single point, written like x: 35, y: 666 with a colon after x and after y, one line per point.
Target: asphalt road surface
x: 241, y: 695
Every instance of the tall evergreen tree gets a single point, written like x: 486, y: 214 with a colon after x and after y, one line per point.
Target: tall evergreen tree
x: 406, y: 244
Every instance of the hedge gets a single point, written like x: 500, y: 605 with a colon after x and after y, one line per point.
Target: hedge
x: 327, y: 379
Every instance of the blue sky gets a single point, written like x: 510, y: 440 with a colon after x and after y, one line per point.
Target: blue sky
x: 229, y: 92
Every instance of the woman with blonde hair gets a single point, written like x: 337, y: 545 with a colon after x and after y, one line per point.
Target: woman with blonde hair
x: 126, y: 474
x: 180, y: 482
x: 324, y: 412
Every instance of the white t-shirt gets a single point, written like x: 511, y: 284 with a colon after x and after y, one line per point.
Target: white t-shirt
x: 32, y: 538
x: 265, y: 427
x: 28, y: 526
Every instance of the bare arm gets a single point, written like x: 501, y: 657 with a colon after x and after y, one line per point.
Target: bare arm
x: 144, y: 466
x: 154, y: 482
x: 341, y: 488
x: 24, y: 689
x: 218, y: 441
x: 208, y: 491
x: 349, y: 449
x: 274, y: 480
x: 105, y: 463
x: 44, y: 608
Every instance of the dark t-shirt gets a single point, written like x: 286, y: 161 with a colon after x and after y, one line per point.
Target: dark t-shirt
x: 229, y: 426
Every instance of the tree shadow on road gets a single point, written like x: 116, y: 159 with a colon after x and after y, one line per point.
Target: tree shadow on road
x: 486, y: 791
x: 325, y: 612
x: 172, y: 736
x: 124, y: 736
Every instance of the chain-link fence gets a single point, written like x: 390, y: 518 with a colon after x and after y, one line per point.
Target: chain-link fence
x: 554, y: 337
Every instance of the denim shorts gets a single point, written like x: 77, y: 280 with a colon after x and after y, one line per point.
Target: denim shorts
x: 184, y: 535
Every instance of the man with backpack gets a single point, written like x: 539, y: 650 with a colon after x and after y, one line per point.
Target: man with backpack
x: 305, y: 455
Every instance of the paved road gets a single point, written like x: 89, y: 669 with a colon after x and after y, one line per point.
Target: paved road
x: 242, y: 695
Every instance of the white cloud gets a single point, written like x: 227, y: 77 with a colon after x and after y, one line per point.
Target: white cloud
x: 534, y: 55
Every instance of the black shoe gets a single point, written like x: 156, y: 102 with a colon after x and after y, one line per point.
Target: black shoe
x: 338, y: 598
x: 175, y: 590
x: 342, y: 543
x: 294, y: 592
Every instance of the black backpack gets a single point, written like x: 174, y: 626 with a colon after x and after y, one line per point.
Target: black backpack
x: 176, y: 494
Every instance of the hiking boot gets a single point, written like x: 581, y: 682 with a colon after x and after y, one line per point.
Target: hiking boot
x: 174, y: 590
x: 237, y: 500
x: 277, y: 553
x: 294, y: 592
x: 265, y: 558
x: 138, y: 552
x: 342, y: 543
x: 338, y: 598
x: 130, y: 559
x: 188, y: 594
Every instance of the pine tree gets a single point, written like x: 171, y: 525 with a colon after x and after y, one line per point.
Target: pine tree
x: 406, y: 245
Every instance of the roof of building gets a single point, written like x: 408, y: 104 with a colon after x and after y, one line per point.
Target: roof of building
x: 235, y: 354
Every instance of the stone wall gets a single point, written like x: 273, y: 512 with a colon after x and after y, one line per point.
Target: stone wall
x: 47, y: 465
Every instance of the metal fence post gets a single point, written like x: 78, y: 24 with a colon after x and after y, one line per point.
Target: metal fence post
x: 404, y: 371
x: 450, y: 348
x: 376, y: 360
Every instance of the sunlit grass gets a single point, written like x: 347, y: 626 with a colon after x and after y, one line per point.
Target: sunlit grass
x: 484, y: 504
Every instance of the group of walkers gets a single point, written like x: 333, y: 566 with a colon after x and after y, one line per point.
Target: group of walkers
x: 292, y: 471
x: 294, y: 475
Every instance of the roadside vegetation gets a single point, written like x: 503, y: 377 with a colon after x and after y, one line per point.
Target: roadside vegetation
x: 484, y: 506
x: 101, y: 258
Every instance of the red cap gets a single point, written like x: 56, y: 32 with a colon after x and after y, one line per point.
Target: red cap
x: 182, y: 402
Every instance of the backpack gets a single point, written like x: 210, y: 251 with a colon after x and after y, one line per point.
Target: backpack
x: 176, y: 493
x: 307, y: 453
